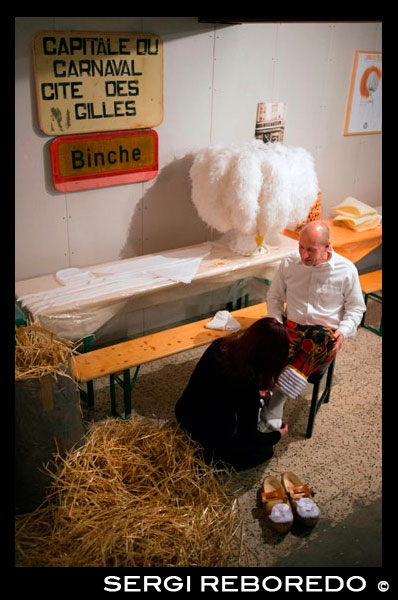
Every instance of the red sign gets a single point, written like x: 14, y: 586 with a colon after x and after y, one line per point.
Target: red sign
x: 81, y: 162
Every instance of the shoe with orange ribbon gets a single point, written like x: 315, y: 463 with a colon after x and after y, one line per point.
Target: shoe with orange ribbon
x: 278, y: 511
x: 301, y: 498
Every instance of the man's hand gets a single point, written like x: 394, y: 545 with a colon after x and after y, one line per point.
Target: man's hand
x: 339, y: 337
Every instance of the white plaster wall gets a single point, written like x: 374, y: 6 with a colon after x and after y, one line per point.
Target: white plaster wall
x: 214, y: 75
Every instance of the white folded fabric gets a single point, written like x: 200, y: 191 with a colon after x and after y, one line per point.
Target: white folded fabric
x: 356, y: 215
x: 359, y: 223
x: 354, y: 208
x: 73, y: 276
x: 122, y: 277
x: 181, y: 270
x: 223, y: 320
x: 177, y: 265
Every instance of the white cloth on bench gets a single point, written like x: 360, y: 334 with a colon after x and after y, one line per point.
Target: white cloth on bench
x: 224, y: 320
x: 80, y: 284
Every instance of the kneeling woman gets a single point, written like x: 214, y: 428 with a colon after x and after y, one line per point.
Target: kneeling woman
x: 220, y: 405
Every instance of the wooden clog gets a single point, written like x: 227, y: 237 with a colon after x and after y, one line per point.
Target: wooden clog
x: 272, y: 494
x: 296, y: 490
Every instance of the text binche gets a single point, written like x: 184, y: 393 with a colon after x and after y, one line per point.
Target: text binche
x: 96, y: 159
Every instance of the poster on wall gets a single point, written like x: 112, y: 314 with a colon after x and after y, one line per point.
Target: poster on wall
x: 97, y: 81
x: 270, y: 121
x: 364, y: 110
x: 93, y: 160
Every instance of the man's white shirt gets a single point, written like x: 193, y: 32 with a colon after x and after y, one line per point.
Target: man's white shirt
x: 327, y: 294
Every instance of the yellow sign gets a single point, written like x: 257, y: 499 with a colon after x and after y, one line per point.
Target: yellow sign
x: 96, y: 156
x: 98, y: 81
x: 102, y: 159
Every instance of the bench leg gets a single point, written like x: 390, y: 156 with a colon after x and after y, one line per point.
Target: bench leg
x: 127, y: 401
x: 378, y: 299
x: 113, y: 395
x: 329, y: 379
x: 127, y: 389
x: 238, y: 304
x: 317, y: 403
x: 89, y: 395
x: 313, y: 410
x: 128, y: 386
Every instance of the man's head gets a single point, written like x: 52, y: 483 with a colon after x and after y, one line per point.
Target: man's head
x: 314, y: 244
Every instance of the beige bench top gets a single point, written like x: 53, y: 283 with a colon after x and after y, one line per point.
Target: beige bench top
x: 138, y: 351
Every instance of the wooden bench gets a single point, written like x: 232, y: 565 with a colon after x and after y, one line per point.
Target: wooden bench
x: 370, y: 284
x: 122, y: 357
x: 118, y: 358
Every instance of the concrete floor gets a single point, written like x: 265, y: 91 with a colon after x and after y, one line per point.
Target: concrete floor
x: 356, y: 541
x: 342, y: 461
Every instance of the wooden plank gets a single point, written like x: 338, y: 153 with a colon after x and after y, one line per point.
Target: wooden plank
x: 126, y: 355
x: 371, y: 282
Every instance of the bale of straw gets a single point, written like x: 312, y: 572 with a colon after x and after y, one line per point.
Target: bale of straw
x: 48, y: 418
x: 136, y: 494
x: 39, y: 352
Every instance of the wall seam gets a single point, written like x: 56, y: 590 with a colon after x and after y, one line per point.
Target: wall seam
x: 67, y: 217
x: 323, y: 107
x: 212, y: 85
x: 212, y: 232
x: 275, y: 66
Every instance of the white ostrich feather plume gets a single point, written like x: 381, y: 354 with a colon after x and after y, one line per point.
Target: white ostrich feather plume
x: 253, y: 188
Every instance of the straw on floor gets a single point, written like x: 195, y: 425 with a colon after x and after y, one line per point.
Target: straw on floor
x: 135, y: 494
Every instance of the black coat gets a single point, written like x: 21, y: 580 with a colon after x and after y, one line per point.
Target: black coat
x: 220, y: 412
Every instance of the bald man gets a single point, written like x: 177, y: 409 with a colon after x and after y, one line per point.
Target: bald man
x: 324, y: 306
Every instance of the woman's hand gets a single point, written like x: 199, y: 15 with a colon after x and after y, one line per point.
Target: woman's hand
x: 284, y: 429
x: 266, y: 396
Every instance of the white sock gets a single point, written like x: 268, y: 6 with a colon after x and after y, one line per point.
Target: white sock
x: 270, y: 416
